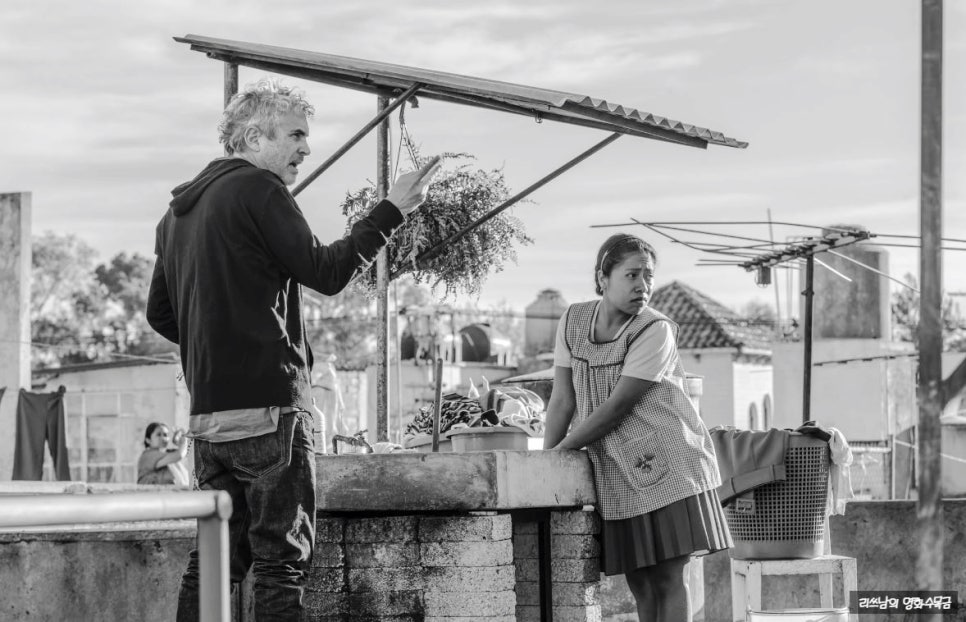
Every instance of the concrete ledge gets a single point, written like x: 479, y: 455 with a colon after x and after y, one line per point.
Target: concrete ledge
x: 104, y: 532
x: 18, y: 487
x: 472, y: 481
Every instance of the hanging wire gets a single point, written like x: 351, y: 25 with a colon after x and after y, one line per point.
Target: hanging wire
x: 78, y: 346
x: 831, y: 269
x: 894, y: 245
x: 407, y: 139
x: 402, y: 123
x: 658, y: 231
x: 834, y: 229
x: 916, y: 237
x: 868, y: 267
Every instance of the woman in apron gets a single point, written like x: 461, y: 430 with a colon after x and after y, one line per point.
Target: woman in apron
x: 619, y: 391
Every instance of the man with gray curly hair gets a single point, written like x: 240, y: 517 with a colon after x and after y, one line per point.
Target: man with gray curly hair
x: 233, y: 250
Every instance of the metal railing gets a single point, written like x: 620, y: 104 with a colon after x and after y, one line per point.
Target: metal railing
x: 212, y: 509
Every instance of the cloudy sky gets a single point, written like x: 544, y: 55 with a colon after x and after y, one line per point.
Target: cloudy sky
x: 104, y: 113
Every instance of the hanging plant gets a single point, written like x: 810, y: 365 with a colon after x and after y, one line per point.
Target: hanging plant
x: 457, y: 197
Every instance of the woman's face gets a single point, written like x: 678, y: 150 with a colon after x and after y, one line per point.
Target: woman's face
x: 160, y: 437
x: 629, y: 284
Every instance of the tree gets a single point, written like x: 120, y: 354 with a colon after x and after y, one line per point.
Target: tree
x: 81, y: 313
x: 65, y: 300
x: 905, y: 318
x: 758, y: 312
x: 126, y: 279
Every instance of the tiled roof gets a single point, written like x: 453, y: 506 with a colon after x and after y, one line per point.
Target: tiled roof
x: 706, y: 323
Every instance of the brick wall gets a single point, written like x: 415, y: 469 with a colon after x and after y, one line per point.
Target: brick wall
x: 574, y: 570
x: 451, y: 568
x: 413, y: 569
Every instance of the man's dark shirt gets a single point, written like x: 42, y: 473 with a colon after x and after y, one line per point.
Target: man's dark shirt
x: 232, y: 250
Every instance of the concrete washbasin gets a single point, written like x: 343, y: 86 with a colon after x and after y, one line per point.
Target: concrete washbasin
x: 470, y: 481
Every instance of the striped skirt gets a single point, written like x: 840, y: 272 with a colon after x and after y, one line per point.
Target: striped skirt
x: 692, y: 526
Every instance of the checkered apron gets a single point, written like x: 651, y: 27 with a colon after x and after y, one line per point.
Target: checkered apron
x: 661, y: 451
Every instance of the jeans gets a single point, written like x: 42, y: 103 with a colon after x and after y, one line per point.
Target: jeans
x: 271, y: 481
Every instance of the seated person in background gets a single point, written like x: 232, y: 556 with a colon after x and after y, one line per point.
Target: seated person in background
x: 160, y: 465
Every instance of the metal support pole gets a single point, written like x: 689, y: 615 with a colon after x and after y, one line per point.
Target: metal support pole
x: 341, y: 151
x: 929, y: 567
x: 382, y: 284
x: 429, y: 254
x: 778, y: 308
x: 231, y: 81
x: 809, y: 293
x: 437, y: 401
x: 231, y: 86
x: 214, y: 586
x: 545, y: 571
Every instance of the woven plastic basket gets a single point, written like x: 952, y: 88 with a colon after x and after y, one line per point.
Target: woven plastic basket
x: 785, y: 519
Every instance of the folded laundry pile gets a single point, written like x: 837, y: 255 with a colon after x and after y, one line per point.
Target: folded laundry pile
x: 502, y: 406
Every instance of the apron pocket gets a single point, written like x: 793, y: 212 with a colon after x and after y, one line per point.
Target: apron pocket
x: 641, y: 462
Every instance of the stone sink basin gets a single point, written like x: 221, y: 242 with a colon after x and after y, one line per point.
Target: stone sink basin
x: 471, y: 481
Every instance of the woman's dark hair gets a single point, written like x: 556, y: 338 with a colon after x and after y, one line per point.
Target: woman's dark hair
x: 614, y: 250
x: 148, y: 431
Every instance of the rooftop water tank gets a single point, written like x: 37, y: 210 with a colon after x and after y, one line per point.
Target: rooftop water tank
x: 542, y: 317
x: 860, y: 309
x: 482, y: 344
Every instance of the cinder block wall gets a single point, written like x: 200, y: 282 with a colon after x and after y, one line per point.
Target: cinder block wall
x: 76, y: 576
x: 574, y: 569
x: 413, y: 568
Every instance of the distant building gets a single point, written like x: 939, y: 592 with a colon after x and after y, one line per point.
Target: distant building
x: 542, y: 317
x: 732, y: 354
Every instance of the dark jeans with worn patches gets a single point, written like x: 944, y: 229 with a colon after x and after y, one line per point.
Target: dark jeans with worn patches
x: 271, y: 480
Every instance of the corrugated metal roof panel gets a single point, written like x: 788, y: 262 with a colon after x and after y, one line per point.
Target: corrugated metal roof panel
x: 373, y: 76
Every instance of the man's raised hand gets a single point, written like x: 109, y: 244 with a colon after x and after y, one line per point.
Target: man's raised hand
x: 410, y: 189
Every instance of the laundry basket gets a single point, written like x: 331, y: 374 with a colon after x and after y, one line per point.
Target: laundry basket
x: 785, y: 519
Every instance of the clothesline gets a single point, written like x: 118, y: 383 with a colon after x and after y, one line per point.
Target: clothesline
x: 915, y: 449
x: 139, y: 357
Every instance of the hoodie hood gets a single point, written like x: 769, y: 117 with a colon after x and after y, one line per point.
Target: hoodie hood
x: 187, y: 194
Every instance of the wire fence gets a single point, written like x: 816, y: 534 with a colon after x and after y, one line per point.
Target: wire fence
x: 871, y: 470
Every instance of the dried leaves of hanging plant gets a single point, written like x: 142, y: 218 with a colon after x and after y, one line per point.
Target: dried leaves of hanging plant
x: 456, y: 198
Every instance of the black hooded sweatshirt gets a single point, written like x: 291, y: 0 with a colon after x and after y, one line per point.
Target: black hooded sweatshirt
x: 232, y: 250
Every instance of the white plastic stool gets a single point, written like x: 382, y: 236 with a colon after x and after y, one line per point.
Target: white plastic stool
x: 746, y: 577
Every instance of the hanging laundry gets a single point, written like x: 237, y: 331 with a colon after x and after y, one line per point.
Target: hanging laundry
x: 840, y: 475
x: 40, y: 418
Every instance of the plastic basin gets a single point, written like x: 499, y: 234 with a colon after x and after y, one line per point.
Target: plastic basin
x: 488, y: 439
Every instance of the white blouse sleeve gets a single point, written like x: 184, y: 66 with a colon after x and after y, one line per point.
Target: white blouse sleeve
x: 652, y: 355
x: 561, y: 352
